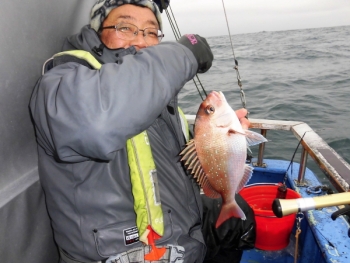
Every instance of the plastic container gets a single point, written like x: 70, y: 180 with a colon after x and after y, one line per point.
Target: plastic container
x: 272, y: 233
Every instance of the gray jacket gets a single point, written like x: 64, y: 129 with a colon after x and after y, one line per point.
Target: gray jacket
x: 83, y: 118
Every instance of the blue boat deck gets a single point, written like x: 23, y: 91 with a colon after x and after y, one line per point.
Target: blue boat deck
x: 321, y: 238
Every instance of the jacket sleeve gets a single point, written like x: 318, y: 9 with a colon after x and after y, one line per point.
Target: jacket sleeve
x: 81, y: 113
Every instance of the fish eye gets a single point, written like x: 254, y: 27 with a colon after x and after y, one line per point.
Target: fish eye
x: 210, y: 109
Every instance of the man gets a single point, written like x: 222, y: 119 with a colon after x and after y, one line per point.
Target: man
x: 87, y: 107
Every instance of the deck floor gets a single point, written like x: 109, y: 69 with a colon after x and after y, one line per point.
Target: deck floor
x: 285, y: 255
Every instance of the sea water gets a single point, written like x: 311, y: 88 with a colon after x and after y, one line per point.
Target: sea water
x: 295, y: 75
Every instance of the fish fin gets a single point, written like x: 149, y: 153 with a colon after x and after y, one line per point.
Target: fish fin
x: 248, y: 172
x: 191, y: 162
x: 189, y: 155
x: 201, y: 177
x: 203, y: 181
x: 188, y: 150
x: 233, y: 131
x: 209, y: 190
x: 249, y: 149
x: 229, y: 210
x: 254, y: 138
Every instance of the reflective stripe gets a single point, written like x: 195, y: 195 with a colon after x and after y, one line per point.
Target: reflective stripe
x: 184, y: 125
x: 144, y: 186
x: 82, y: 54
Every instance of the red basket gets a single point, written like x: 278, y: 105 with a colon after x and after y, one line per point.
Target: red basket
x: 272, y: 233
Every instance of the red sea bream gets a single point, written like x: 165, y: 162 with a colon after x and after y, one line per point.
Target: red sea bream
x: 217, y: 154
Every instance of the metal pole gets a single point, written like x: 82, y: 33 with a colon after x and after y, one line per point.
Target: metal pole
x: 303, y: 159
x: 261, y: 151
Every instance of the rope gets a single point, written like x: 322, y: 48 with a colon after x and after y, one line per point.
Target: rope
x: 299, y: 218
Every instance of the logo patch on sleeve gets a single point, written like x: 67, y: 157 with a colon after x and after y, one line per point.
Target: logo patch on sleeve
x: 131, y: 235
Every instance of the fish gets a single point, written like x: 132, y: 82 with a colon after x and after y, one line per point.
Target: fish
x: 216, y: 156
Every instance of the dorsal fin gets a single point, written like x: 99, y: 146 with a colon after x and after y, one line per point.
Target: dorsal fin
x: 209, y: 190
x: 248, y: 171
x: 201, y: 178
x: 191, y: 162
x: 190, y: 158
x: 197, y: 173
x: 196, y: 168
x: 189, y: 149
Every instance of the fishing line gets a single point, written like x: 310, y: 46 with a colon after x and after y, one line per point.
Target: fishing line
x: 243, y: 100
x: 176, y: 31
x: 329, y: 242
x: 229, y: 33
x: 291, y: 161
x: 173, y: 23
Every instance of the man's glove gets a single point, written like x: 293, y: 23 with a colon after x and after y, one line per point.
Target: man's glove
x: 200, y: 49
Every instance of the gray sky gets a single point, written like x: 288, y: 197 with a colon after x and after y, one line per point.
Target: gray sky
x: 207, y: 17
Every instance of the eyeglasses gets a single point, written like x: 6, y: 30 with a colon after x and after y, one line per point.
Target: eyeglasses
x: 128, y: 31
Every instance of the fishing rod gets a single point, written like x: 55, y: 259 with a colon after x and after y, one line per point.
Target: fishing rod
x: 177, y: 34
x: 176, y: 31
x: 284, y: 207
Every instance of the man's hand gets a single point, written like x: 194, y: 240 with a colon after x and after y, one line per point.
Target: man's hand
x: 241, y: 113
x: 200, y: 49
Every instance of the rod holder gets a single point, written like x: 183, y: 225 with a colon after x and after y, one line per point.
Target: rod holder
x: 261, y: 151
x: 301, y: 175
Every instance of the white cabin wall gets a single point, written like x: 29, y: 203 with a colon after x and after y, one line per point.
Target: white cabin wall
x: 30, y: 33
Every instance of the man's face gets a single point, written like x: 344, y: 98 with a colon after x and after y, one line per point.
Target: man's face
x: 142, y: 17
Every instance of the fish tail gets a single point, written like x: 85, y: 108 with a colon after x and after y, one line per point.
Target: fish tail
x: 229, y: 210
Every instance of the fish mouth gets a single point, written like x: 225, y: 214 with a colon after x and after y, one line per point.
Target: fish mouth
x: 218, y: 95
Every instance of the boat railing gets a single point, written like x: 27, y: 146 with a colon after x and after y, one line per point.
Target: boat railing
x: 330, y: 162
